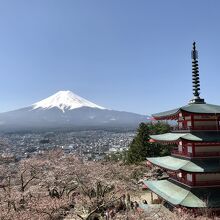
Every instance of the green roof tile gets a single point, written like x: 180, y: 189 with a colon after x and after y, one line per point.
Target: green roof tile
x: 174, y: 194
x: 178, y: 194
x: 193, y: 136
x: 196, y: 165
x: 192, y: 108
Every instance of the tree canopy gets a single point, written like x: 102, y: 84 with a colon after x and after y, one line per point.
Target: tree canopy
x: 140, y: 148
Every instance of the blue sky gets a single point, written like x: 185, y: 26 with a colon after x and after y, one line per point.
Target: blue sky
x: 131, y: 55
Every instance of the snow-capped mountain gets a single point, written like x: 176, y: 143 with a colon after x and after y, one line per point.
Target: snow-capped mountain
x: 65, y: 110
x: 64, y: 100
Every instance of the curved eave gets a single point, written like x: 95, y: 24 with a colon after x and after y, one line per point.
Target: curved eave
x: 202, y: 108
x: 167, y: 115
x: 175, y: 194
x: 193, y: 137
x: 190, y: 108
x: 174, y: 137
x: 175, y: 164
x: 163, y: 142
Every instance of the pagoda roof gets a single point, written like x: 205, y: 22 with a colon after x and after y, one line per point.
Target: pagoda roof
x: 191, y: 108
x: 212, y: 136
x: 198, y: 166
x: 177, y: 195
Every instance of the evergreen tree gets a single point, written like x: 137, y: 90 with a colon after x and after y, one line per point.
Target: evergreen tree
x: 140, y: 148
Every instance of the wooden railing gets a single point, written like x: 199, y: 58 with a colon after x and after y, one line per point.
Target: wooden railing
x: 181, y: 180
x: 196, y: 183
x: 196, y: 128
x: 208, y: 183
x: 183, y: 128
x: 207, y: 154
x: 197, y: 154
x: 181, y: 153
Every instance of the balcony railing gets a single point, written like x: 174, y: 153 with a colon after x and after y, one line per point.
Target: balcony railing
x: 208, y: 183
x: 196, y: 128
x: 182, y: 128
x: 207, y: 154
x: 196, y: 183
x: 181, y: 180
x: 181, y: 153
x: 197, y: 154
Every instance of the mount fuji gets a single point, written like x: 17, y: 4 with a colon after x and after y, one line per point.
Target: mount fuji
x: 66, y: 110
x: 64, y: 100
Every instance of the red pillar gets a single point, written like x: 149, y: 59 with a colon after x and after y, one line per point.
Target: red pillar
x: 192, y: 121
x: 194, y: 179
x: 193, y: 150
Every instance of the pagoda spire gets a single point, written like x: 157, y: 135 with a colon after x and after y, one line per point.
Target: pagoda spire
x: 195, y: 76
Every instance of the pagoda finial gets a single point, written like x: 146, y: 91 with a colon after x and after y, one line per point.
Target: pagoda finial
x: 195, y: 76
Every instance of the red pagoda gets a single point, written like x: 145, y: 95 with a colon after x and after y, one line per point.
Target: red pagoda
x: 194, y: 165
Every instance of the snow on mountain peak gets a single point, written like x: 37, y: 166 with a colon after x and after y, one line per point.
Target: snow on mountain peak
x: 64, y: 100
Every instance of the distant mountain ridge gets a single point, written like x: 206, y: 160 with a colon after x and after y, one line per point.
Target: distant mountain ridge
x: 66, y: 110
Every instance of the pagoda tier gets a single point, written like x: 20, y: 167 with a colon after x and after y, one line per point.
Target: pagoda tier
x: 193, y: 173
x: 193, y: 117
x: 192, y: 145
x: 194, y: 165
x: 191, y: 166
